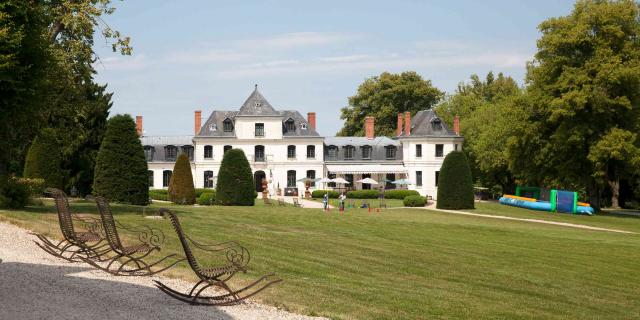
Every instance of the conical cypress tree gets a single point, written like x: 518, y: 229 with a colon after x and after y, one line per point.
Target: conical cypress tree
x: 181, y: 190
x: 235, y: 182
x: 455, y: 185
x: 44, y: 160
x: 121, y: 167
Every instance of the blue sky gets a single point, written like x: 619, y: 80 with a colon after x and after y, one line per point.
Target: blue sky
x: 306, y: 56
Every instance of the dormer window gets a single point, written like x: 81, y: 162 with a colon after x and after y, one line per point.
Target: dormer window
x: 436, y: 123
x: 170, y: 153
x: 213, y: 127
x: 227, y: 125
x: 332, y: 152
x: 258, y: 104
x: 390, y: 152
x: 148, y: 152
x: 348, y: 152
x: 289, y: 125
x: 366, y: 152
x: 303, y: 126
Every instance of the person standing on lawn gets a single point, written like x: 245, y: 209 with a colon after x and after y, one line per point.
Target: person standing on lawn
x: 325, y: 201
x: 342, y: 199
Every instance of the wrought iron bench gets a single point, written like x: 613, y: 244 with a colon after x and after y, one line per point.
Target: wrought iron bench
x: 88, y: 244
x: 130, y: 257
x: 296, y: 203
x: 236, y: 258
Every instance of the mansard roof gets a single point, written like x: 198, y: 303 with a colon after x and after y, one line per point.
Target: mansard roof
x: 257, y: 105
x: 426, y: 123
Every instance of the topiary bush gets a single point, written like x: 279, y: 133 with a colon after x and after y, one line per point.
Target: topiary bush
x: 363, y: 194
x: 455, y: 185
x: 159, y: 194
x: 319, y: 194
x: 207, y: 198
x: 44, y: 160
x: 235, y: 185
x: 414, y: 201
x: 121, y: 167
x: 200, y: 191
x: 13, y: 194
x: 400, y: 194
x: 181, y: 190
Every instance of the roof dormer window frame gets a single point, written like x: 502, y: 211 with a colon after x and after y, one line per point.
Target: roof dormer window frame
x: 227, y: 125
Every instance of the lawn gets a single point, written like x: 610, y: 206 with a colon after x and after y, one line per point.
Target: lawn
x: 375, y: 203
x: 413, y: 264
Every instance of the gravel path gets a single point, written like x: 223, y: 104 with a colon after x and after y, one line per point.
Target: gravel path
x: 35, y: 285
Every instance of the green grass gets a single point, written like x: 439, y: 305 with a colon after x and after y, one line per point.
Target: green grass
x: 413, y: 264
x: 375, y: 203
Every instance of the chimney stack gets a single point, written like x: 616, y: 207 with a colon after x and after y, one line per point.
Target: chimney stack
x: 197, y: 122
x: 369, y: 127
x: 139, y: 125
x: 456, y: 125
x: 407, y: 123
x: 399, y: 127
x: 311, y: 119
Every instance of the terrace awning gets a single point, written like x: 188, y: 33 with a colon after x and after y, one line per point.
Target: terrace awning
x: 365, y: 168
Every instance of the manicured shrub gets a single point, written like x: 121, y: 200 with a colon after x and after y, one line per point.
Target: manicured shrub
x: 200, y: 191
x: 207, y: 198
x: 35, y: 186
x: 121, y: 167
x: 414, y: 201
x: 159, y: 194
x: 13, y: 194
x: 455, y: 185
x: 400, y: 194
x: 181, y: 190
x: 319, y: 194
x: 363, y: 194
x: 235, y: 181
x: 44, y: 160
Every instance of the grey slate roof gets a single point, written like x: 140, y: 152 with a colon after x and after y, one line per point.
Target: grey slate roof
x: 158, y: 144
x: 214, y: 127
x: 360, y: 141
x: 378, y: 148
x: 257, y: 105
x: 426, y: 123
x: 299, y: 121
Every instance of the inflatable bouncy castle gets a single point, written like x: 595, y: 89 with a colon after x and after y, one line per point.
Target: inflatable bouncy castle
x: 547, y: 200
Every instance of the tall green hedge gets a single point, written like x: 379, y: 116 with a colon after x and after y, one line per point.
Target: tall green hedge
x: 44, y: 160
x: 455, y: 185
x: 235, y: 185
x: 181, y: 190
x: 121, y: 167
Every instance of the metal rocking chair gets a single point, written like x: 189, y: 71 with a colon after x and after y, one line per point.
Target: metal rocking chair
x: 130, y: 258
x: 237, y: 257
x: 76, y: 246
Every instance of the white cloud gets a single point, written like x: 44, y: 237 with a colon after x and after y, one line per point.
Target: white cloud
x: 348, y: 58
x: 296, y: 40
x: 133, y: 62
x: 207, y: 56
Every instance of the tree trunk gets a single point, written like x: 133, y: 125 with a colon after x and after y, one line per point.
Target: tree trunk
x: 615, y: 192
x: 593, y: 192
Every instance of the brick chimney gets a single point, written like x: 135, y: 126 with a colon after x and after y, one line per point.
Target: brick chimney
x: 407, y: 123
x: 456, y: 125
x: 139, y: 125
x: 369, y: 127
x: 311, y: 119
x: 197, y: 124
x: 399, y: 126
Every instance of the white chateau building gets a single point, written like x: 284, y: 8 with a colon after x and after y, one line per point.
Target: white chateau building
x: 284, y: 147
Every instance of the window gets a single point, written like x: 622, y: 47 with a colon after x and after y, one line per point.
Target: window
x: 226, y: 148
x: 348, y: 152
x: 208, y: 179
x: 291, y: 179
x: 366, y: 152
x: 189, y: 151
x: 418, y: 150
x: 366, y: 186
x: 208, y: 152
x: 258, y: 154
x: 390, y: 152
x: 291, y: 152
x: 332, y: 152
x: 289, y: 126
x: 150, y: 173
x: 227, y: 125
x: 311, y: 174
x: 259, y: 129
x: 213, y: 127
x: 303, y: 126
x: 437, y: 176
x: 455, y: 147
x: 419, y: 178
x: 389, y: 178
x: 166, y: 178
x: 170, y: 153
x: 148, y: 152
x: 311, y: 152
x: 349, y: 177
x: 331, y: 184
x: 439, y: 150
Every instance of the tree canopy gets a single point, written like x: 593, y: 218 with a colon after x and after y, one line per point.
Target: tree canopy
x: 383, y: 97
x: 235, y: 185
x: 181, y: 190
x: 43, y: 160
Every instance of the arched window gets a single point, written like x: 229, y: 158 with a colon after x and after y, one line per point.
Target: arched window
x: 208, y: 179
x: 291, y: 179
x: 227, y: 125
x: 289, y: 126
x: 291, y: 152
x: 150, y: 173
x: 208, y: 152
x: 166, y: 178
x: 258, y: 153
x: 332, y: 152
x: 148, y: 152
x: 311, y: 152
x: 226, y: 148
x: 348, y: 152
x: 366, y: 152
x: 170, y: 153
x: 311, y: 174
x: 188, y: 150
x: 390, y: 152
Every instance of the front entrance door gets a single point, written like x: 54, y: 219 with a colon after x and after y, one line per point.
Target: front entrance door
x: 257, y: 178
